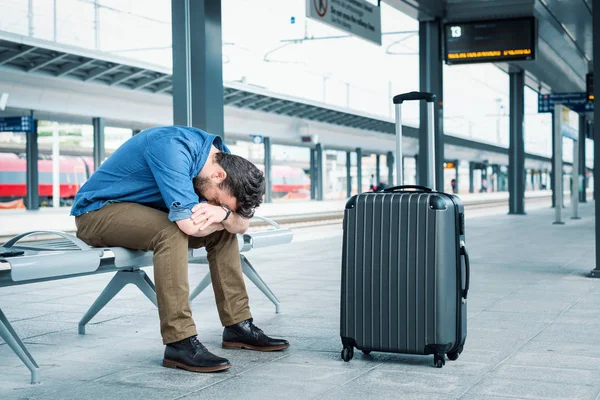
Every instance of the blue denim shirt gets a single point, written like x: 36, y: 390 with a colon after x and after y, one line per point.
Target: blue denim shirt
x: 154, y: 168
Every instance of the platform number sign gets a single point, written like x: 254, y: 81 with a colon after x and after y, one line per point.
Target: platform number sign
x: 513, y: 39
x: 456, y: 31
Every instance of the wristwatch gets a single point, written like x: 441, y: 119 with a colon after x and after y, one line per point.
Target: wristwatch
x: 224, y: 207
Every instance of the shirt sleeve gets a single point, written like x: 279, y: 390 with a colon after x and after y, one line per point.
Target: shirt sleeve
x: 170, y: 161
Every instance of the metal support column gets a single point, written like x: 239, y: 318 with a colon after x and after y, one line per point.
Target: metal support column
x: 313, y: 174
x: 575, y: 182
x: 359, y: 170
x: 32, y: 199
x: 99, y: 153
x: 390, y: 166
x: 496, y: 173
x: 558, y: 165
x: 268, y: 181
x: 348, y: 174
x: 377, y: 171
x: 532, y: 178
x: 320, y: 170
x: 404, y: 173
x: 596, y: 57
x: 431, y: 80
x: 198, y: 65
x: 516, y: 148
x: 456, y: 164
x: 416, y: 168
x: 583, y: 127
x: 471, y: 178
x: 552, y: 177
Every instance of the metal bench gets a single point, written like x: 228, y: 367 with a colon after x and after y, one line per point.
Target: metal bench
x: 70, y: 257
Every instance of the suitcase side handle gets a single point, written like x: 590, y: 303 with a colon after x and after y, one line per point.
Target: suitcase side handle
x: 428, y: 97
x: 402, y: 187
x: 463, y: 252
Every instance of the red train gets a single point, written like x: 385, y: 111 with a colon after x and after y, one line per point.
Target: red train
x: 74, y: 171
x: 288, y: 182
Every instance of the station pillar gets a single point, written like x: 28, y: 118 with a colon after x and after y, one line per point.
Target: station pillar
x: 32, y: 198
x: 359, y: 170
x: 516, y: 148
x: 471, y: 178
x: 99, y: 150
x: 320, y: 171
x: 198, y: 65
x: 268, y: 181
x: 583, y: 129
x: 348, y: 174
x: 377, y: 170
x: 390, y: 167
x: 456, y: 164
x: 313, y: 174
x: 416, y: 168
x: 431, y: 80
x: 596, y: 57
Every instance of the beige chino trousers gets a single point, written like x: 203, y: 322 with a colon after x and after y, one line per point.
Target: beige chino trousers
x: 138, y: 227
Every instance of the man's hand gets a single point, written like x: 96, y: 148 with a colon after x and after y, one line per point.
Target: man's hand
x: 204, y: 215
x: 209, y: 230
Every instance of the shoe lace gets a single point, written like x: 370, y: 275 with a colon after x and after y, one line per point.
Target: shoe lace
x: 195, y: 344
x: 255, y: 329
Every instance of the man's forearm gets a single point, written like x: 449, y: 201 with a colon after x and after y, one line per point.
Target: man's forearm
x: 236, y: 224
x: 212, y: 228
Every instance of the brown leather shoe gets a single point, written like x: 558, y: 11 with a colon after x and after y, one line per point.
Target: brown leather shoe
x: 245, y: 335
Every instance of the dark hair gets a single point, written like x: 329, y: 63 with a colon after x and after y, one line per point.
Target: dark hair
x: 244, y: 181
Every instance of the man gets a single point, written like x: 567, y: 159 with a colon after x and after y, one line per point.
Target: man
x: 168, y: 189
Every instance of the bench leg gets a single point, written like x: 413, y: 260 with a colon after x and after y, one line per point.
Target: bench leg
x: 122, y: 278
x: 251, y: 273
x: 14, y: 342
x: 201, y: 286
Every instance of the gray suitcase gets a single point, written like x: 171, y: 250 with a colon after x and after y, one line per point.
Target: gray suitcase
x: 405, y: 267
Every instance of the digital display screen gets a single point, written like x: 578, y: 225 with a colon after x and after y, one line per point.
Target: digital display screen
x: 490, y: 41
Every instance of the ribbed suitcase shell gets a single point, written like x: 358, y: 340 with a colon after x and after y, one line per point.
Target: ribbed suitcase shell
x: 402, y: 273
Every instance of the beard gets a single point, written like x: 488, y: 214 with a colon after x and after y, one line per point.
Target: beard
x: 201, y: 186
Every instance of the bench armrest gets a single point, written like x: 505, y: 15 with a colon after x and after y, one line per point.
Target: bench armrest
x: 269, y: 237
x: 268, y: 221
x: 73, y: 239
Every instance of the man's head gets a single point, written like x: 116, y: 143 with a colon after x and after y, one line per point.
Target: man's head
x: 231, y: 180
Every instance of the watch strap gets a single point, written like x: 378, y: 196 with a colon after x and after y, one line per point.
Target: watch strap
x: 224, y: 207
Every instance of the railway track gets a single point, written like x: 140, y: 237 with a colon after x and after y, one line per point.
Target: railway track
x: 308, y: 220
x: 336, y: 217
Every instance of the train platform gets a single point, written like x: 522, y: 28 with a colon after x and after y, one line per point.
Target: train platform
x: 533, y: 323
x: 14, y: 222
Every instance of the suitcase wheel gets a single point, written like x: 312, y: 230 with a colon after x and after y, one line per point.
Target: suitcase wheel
x: 366, y: 352
x: 347, y: 353
x: 453, y: 356
x: 439, y: 361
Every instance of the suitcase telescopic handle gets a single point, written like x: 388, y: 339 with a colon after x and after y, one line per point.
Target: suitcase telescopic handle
x: 402, y: 187
x: 428, y: 97
x: 463, y: 252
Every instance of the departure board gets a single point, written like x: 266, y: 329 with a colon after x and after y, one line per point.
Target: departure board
x: 490, y: 41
